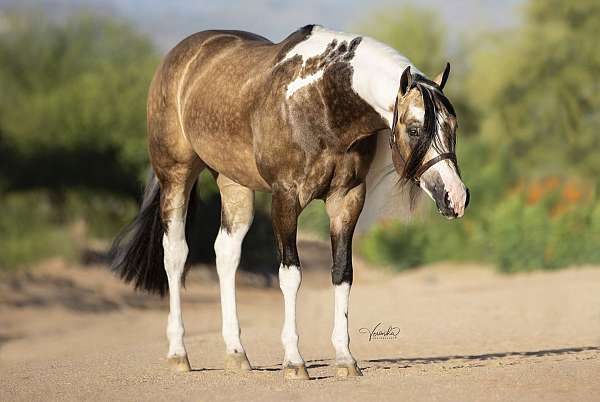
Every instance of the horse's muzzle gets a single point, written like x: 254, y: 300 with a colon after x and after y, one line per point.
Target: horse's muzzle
x: 451, y: 199
x: 447, y: 207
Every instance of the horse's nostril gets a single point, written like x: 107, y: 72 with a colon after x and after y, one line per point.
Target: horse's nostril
x: 447, y: 199
x: 468, y: 198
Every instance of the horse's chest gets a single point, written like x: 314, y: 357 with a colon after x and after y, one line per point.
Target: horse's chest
x: 328, y: 171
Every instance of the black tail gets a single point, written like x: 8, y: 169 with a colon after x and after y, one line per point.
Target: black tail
x: 137, y: 253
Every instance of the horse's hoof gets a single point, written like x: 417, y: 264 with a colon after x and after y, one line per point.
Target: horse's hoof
x: 295, y: 373
x: 179, y: 363
x: 350, y: 370
x: 236, y: 362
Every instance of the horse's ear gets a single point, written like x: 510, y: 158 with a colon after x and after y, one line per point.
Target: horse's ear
x: 405, y: 81
x: 443, y: 77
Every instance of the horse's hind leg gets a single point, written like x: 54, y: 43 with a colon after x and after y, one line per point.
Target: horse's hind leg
x: 176, y: 184
x: 237, y: 212
x: 177, y: 167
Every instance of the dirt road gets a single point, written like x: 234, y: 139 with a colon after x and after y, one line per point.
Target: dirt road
x: 465, y: 333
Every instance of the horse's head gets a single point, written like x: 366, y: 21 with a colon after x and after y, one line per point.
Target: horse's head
x: 423, y: 140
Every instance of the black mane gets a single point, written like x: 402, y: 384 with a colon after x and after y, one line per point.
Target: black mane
x: 433, y: 101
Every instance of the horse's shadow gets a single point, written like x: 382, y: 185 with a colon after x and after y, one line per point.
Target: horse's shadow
x: 407, y: 362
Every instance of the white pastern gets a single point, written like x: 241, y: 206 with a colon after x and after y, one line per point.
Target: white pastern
x: 340, y: 337
x: 228, y: 249
x: 289, y: 282
x: 175, y: 254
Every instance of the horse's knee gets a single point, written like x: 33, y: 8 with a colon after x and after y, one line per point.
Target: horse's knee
x: 228, y: 248
x: 290, y: 278
x: 341, y: 274
x: 175, y: 247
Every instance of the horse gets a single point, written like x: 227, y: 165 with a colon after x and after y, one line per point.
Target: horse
x: 306, y: 118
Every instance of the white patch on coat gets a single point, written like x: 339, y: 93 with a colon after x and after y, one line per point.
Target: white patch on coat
x: 376, y: 67
x: 289, y: 282
x: 302, y: 82
x: 228, y: 249
x: 376, y: 77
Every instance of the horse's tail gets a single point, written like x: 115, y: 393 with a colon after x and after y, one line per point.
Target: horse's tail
x: 137, y: 252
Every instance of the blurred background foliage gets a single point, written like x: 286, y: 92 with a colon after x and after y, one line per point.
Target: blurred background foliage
x: 528, y: 108
x: 73, y: 152
x: 72, y: 123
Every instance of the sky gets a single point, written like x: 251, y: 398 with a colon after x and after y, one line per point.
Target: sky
x: 169, y: 21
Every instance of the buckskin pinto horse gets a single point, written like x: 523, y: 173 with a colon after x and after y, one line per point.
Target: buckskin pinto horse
x: 304, y: 119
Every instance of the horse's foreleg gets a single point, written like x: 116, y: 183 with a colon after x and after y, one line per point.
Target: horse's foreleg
x: 285, y: 210
x: 344, y: 210
x: 237, y: 212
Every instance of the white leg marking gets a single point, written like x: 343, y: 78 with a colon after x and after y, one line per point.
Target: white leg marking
x: 289, y: 282
x: 176, y: 251
x: 340, y: 337
x: 228, y: 249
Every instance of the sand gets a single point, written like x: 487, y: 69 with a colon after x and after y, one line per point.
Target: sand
x: 75, y: 333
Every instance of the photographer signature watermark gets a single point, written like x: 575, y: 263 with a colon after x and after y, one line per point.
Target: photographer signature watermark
x: 379, y: 332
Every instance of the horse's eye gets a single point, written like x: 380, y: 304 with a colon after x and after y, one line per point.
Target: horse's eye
x: 413, y: 131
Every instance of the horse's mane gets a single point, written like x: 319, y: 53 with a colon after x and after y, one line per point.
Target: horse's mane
x: 386, y: 199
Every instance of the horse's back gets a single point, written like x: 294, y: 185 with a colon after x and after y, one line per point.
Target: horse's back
x: 198, y: 51
x: 201, y: 97
x: 220, y: 59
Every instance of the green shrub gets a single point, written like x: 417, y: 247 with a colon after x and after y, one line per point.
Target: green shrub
x: 314, y: 219
x: 515, y: 234
x: 105, y: 214
x: 30, y: 230
x: 38, y: 224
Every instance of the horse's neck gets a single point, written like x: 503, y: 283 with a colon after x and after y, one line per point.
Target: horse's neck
x: 376, y: 76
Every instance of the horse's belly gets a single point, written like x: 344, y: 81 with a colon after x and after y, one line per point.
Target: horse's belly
x: 232, y: 157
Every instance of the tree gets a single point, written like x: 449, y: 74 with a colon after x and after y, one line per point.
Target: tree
x: 416, y: 32
x: 538, y: 87
x: 72, y: 103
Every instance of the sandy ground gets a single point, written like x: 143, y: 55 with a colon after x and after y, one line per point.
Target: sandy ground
x: 465, y: 333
